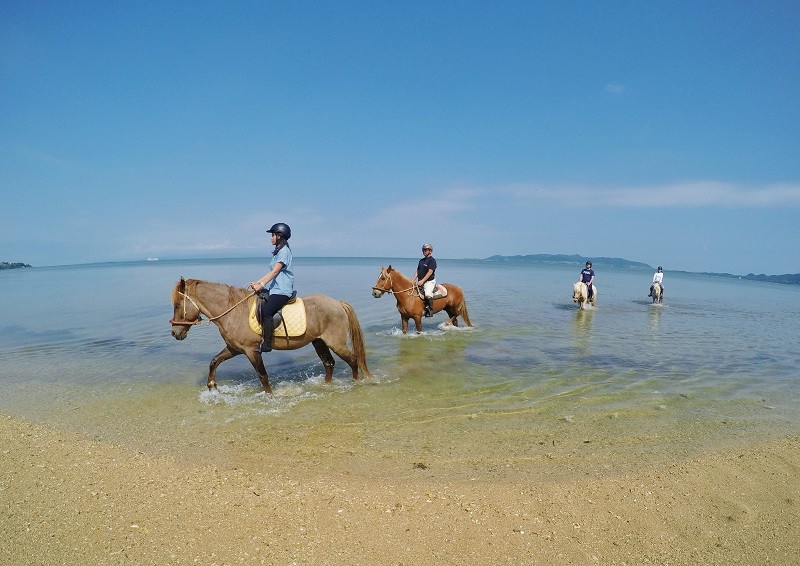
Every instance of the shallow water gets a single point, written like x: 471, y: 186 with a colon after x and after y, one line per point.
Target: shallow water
x: 535, y: 385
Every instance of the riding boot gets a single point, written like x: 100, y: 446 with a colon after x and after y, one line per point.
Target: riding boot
x: 428, y: 307
x: 267, y: 328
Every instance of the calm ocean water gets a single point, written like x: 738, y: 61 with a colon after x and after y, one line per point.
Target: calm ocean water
x: 534, y: 383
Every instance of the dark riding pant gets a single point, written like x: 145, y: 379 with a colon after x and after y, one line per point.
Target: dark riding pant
x: 267, y: 309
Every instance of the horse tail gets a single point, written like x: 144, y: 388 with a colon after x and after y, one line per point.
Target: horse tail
x: 357, y: 338
x: 462, y: 310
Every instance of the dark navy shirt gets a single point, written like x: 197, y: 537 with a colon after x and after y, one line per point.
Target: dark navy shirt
x: 424, y: 265
x: 586, y: 275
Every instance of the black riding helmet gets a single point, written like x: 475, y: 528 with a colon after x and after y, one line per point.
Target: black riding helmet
x: 282, y: 229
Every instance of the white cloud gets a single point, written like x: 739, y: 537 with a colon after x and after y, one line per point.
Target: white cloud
x: 680, y: 195
x: 615, y: 88
x: 434, y: 205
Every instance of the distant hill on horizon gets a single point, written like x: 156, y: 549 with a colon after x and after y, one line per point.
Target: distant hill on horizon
x: 575, y: 259
x: 579, y: 260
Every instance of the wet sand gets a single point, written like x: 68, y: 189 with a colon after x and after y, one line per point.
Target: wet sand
x: 67, y: 499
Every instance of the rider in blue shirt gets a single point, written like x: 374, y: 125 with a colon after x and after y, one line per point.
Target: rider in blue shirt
x: 277, y: 286
x: 587, y: 276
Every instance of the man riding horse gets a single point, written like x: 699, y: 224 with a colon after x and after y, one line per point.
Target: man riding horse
x: 587, y: 276
x: 426, y: 268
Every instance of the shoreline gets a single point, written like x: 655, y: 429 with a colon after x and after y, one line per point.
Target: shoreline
x: 76, y: 500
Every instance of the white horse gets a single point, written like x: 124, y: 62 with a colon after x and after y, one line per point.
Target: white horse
x: 580, y: 294
x: 657, y: 293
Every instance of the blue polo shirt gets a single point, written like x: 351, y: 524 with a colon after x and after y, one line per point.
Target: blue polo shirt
x: 283, y: 284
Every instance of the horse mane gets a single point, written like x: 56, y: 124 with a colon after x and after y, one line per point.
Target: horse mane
x: 176, y: 295
x: 391, y: 269
x: 234, y: 293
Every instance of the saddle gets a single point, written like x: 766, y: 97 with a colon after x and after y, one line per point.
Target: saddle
x: 289, y: 321
x: 439, y: 292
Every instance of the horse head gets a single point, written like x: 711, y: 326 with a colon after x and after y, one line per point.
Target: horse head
x: 384, y: 283
x: 185, y: 312
x: 579, y: 292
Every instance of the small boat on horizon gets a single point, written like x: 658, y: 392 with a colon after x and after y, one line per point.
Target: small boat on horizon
x: 152, y: 259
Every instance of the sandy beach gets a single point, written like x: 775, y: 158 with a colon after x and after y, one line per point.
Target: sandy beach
x: 66, y: 499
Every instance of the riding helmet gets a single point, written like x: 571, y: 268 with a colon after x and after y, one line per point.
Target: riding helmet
x: 427, y: 247
x: 282, y: 229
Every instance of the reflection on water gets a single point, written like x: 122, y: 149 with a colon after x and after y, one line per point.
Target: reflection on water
x: 582, y: 330
x: 655, y: 318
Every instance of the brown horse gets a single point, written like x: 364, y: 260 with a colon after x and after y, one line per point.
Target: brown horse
x: 411, y: 305
x: 328, y: 323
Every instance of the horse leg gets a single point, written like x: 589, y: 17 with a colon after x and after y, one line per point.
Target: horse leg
x: 418, y: 323
x: 341, y: 350
x: 225, y: 354
x: 258, y: 365
x: 404, y: 322
x: 453, y: 314
x: 324, y: 354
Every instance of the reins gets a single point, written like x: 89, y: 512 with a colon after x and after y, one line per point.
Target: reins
x: 211, y: 318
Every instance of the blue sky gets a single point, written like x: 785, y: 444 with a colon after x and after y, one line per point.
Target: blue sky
x: 662, y: 132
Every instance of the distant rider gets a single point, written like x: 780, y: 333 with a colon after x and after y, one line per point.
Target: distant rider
x: 426, y: 268
x: 587, y: 276
x: 277, y: 286
x: 658, y: 277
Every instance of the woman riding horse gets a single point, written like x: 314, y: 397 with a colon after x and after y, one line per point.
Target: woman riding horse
x: 276, y: 287
x: 328, y: 324
x: 658, y: 278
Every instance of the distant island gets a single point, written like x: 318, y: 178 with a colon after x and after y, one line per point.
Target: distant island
x: 560, y: 259
x: 616, y: 262
x: 6, y: 265
x: 786, y: 278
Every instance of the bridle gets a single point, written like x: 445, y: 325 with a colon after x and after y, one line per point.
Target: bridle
x: 390, y: 290
x: 185, y: 322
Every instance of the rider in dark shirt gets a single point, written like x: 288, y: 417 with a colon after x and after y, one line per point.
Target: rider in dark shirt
x: 587, y: 276
x: 426, y: 268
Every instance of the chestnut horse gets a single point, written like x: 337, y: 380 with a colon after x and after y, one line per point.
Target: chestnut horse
x: 328, y: 324
x: 580, y: 294
x: 411, y: 305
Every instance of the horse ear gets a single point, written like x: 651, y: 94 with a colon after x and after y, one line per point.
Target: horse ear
x: 182, y: 285
x: 389, y: 268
